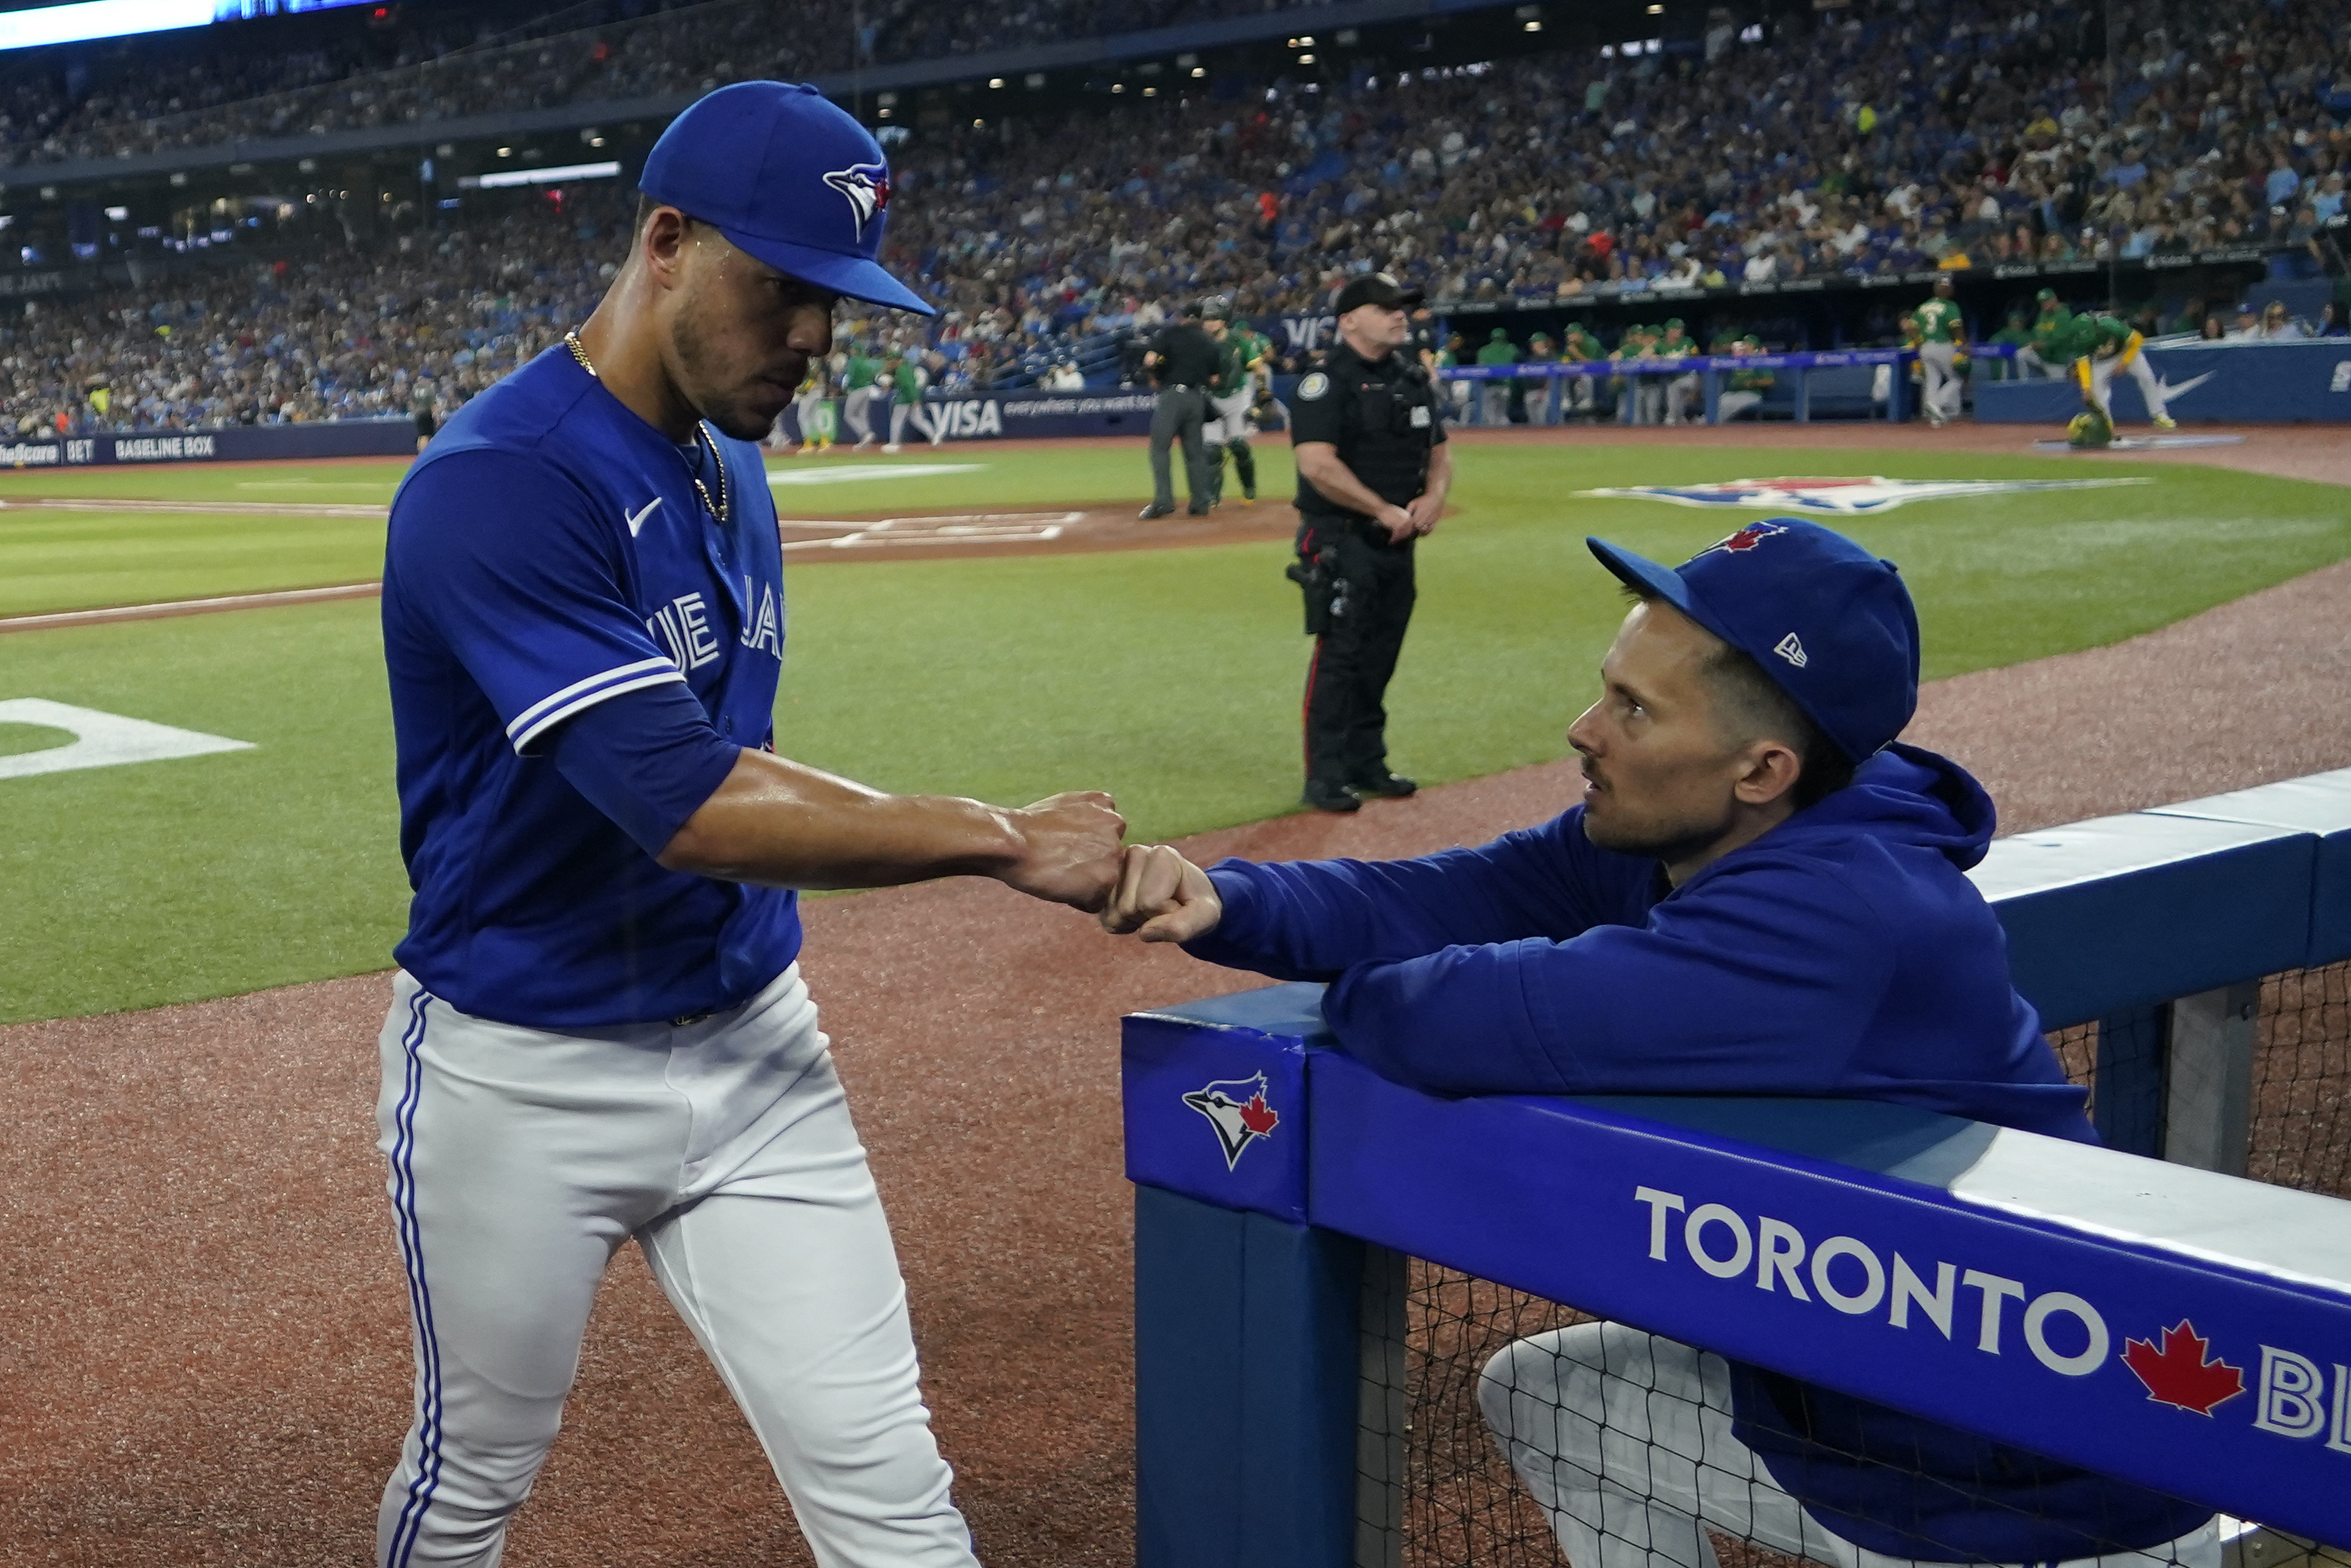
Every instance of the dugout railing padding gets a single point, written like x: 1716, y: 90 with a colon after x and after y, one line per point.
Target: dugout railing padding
x: 1280, y: 1186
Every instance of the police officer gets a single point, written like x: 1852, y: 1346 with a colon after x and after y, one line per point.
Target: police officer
x: 1184, y: 359
x: 1373, y: 470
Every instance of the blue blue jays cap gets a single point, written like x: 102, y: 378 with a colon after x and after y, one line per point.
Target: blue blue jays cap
x: 787, y: 176
x: 1827, y: 619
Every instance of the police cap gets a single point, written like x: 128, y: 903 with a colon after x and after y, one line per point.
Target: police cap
x: 1374, y: 289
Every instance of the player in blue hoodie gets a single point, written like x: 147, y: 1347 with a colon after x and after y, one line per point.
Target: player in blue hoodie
x: 1761, y: 892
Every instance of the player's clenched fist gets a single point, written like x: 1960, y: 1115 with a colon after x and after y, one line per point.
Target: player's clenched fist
x: 1071, y: 849
x: 1162, y: 897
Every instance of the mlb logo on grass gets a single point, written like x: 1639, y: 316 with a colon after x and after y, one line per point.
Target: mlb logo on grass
x: 1839, y: 496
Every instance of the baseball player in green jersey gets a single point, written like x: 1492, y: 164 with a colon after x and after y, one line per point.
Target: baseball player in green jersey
x: 1941, y: 332
x: 2098, y: 345
x: 2016, y: 335
x: 858, y: 389
x: 1494, y: 396
x: 1580, y: 347
x: 1241, y: 354
x: 905, y: 378
x: 2051, y: 323
x: 1747, y: 388
x: 1681, y: 390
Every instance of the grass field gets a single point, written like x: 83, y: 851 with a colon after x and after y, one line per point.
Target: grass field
x: 1168, y: 678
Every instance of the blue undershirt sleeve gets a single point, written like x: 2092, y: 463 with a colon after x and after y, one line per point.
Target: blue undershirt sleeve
x: 647, y: 759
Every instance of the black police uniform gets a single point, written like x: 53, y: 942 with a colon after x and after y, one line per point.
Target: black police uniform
x: 1187, y: 360
x: 1381, y: 416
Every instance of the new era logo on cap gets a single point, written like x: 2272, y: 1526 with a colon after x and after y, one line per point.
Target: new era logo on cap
x: 1792, y: 651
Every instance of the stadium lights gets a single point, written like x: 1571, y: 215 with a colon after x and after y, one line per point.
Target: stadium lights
x: 595, y: 141
x: 1151, y: 92
x: 1656, y: 10
x: 1302, y: 43
x: 996, y: 81
x: 885, y: 114
x: 604, y: 170
x: 506, y: 152
x: 1534, y: 26
x: 1306, y: 59
x: 1118, y: 86
x: 1200, y: 70
x: 118, y: 214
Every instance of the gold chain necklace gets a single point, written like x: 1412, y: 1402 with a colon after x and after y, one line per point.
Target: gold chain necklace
x: 717, y: 509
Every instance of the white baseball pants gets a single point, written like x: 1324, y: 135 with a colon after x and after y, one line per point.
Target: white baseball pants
x: 521, y: 1160
x: 2150, y: 387
x: 1939, y: 368
x: 903, y: 415
x: 1624, y: 1439
x: 857, y: 412
x: 1230, y: 421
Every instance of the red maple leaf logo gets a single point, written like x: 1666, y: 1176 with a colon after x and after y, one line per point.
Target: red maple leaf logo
x: 1258, y: 1116
x: 2180, y: 1372
x: 1745, y: 538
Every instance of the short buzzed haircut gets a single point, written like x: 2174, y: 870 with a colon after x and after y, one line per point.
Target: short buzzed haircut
x: 1749, y: 705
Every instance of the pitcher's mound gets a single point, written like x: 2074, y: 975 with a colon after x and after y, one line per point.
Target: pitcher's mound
x: 941, y: 535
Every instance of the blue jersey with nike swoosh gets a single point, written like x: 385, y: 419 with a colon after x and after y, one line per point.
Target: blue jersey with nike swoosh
x: 550, y: 552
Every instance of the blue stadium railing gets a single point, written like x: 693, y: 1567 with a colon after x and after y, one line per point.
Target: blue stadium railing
x: 1252, y: 1233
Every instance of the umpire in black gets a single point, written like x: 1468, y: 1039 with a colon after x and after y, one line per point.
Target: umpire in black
x: 1373, y: 470
x: 1182, y: 359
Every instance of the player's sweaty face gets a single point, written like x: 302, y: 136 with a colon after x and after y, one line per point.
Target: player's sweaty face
x: 743, y: 335
x: 1658, y: 772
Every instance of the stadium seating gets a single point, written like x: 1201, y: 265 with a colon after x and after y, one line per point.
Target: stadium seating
x: 1878, y: 138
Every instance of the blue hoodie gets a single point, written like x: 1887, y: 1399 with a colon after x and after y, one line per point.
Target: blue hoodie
x: 1843, y: 953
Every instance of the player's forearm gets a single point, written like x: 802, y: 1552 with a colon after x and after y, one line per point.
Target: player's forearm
x: 783, y: 824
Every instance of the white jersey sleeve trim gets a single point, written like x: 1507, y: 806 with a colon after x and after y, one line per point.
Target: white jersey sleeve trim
x: 535, y: 720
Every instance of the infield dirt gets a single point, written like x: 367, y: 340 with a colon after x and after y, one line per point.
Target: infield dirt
x: 204, y: 1324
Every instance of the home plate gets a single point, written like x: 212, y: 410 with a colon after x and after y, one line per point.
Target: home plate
x: 2140, y: 444
x: 965, y: 529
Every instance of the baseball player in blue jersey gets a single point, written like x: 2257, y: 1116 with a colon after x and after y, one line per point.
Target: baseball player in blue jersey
x: 599, y: 1031
x: 1762, y: 891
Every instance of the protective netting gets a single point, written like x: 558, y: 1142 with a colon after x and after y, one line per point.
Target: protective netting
x: 2302, y: 1082
x: 1436, y: 1490
x: 2301, y: 1103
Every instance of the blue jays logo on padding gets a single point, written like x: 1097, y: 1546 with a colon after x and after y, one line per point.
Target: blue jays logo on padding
x: 1236, y: 1109
x: 867, y: 187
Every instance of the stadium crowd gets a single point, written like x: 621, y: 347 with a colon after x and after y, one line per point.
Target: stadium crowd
x: 154, y: 95
x: 1885, y: 137
x: 425, y: 321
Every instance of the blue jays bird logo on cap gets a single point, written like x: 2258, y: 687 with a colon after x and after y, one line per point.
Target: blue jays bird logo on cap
x: 1745, y: 540
x: 1240, y: 1122
x: 867, y: 187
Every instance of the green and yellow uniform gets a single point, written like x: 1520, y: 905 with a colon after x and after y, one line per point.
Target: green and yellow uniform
x: 1939, y: 321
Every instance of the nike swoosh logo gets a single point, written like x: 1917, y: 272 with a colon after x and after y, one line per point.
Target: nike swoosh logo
x: 2170, y: 391
x: 638, y: 520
